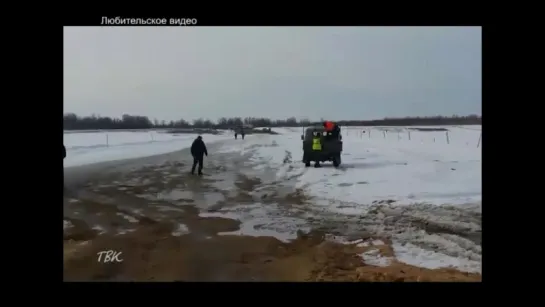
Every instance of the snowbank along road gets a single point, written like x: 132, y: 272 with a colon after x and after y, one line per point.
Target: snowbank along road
x: 400, y: 197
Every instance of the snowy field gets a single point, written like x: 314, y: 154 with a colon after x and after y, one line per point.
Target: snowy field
x: 382, y: 164
x: 393, y: 182
x: 390, y: 179
x: 93, y: 147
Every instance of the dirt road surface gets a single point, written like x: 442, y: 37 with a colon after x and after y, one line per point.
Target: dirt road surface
x: 167, y: 225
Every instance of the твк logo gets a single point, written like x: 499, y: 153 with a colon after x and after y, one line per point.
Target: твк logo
x: 109, y: 256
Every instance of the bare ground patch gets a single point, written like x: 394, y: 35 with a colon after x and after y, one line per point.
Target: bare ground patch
x: 152, y: 254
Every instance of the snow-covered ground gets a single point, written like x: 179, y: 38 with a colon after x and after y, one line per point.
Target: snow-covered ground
x: 390, y: 179
x: 93, y: 147
x: 378, y: 166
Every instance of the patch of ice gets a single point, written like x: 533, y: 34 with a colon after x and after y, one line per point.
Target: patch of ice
x: 67, y: 224
x: 174, y: 195
x: 99, y: 228
x: 416, y: 256
x: 180, y: 230
x: 377, y: 242
x: 370, y: 243
x: 168, y: 209
x: 341, y: 240
x: 225, y: 215
x: 125, y: 231
x: 251, y: 228
x: 180, y: 197
x: 336, y: 239
x: 374, y: 258
x: 127, y: 217
x: 262, y: 220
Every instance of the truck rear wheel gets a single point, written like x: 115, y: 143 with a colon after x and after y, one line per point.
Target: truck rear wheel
x: 306, y: 160
x: 336, y: 160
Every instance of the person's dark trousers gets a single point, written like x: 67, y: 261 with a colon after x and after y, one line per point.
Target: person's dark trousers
x: 197, y: 160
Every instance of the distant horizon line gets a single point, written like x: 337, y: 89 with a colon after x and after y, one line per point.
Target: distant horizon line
x: 473, y: 115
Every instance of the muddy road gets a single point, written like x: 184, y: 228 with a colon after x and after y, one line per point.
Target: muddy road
x: 238, y: 222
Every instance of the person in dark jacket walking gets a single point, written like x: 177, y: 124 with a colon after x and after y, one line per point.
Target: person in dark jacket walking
x: 198, y: 150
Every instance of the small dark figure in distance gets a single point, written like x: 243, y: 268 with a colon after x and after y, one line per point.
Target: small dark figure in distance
x: 198, y: 150
x: 239, y: 130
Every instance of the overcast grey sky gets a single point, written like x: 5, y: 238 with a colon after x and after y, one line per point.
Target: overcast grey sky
x: 277, y: 72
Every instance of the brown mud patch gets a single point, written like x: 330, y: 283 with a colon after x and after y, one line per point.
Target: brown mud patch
x: 152, y: 253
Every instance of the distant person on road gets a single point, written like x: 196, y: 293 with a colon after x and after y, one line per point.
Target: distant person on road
x: 198, y: 150
x: 239, y: 130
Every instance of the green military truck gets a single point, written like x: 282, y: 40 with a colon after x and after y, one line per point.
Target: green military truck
x: 332, y: 146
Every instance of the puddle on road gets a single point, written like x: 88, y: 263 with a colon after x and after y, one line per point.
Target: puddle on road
x: 224, y: 181
x: 129, y: 218
x: 180, y: 230
x: 163, y: 208
x: 176, y: 195
x: 137, y: 182
x: 262, y: 220
x: 285, y: 230
x: 180, y: 197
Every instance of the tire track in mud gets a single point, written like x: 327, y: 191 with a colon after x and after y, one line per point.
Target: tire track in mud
x: 264, y: 203
x: 156, y: 187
